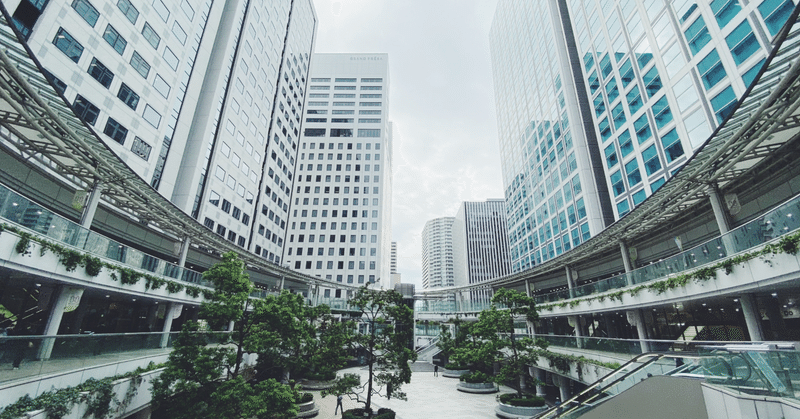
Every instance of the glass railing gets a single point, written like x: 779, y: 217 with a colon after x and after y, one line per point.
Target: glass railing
x: 18, y: 210
x: 780, y: 221
x: 74, y: 352
x: 334, y: 303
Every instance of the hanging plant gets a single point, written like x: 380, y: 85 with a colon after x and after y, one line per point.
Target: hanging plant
x: 24, y: 244
x: 193, y: 291
x: 70, y: 259
x: 174, y: 287
x: 92, y: 265
x: 154, y: 283
x: 126, y: 276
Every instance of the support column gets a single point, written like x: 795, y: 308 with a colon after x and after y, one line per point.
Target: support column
x: 626, y: 260
x: 570, y: 282
x: 283, y: 279
x: 575, y: 322
x: 527, y: 288
x: 752, y: 317
x: 185, y: 245
x: 541, y: 377
x: 91, y: 206
x: 564, y: 388
x: 635, y: 318
x: 721, y: 216
x: 529, y: 292
x: 65, y: 297
x: 168, y: 316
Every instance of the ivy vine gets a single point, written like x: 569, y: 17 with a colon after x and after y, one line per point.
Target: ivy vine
x: 71, y: 259
x: 789, y: 244
x: 98, y: 395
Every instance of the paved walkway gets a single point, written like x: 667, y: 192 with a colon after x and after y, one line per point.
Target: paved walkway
x: 428, y: 397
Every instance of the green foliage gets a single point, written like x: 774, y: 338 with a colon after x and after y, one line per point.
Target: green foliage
x: 452, y: 366
x: 70, y: 259
x: 174, y: 287
x: 475, y: 377
x: 92, y: 265
x: 291, y: 336
x: 98, y: 394
x: 304, y: 397
x: 24, y: 244
x: 153, y: 283
x: 525, y: 401
x: 492, y: 338
x: 387, y: 344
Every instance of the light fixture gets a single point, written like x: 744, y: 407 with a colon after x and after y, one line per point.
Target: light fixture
x: 774, y: 294
x: 108, y: 296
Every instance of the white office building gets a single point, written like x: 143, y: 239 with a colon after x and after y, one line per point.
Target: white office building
x: 202, y: 99
x: 438, y: 264
x: 341, y: 211
x: 480, y: 242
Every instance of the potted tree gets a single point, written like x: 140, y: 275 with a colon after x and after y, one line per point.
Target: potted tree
x: 448, y: 342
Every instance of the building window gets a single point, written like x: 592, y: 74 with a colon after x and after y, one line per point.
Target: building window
x: 101, y: 73
x: 161, y: 10
x: 151, y: 116
x: 623, y: 207
x: 314, y: 132
x: 634, y: 100
x: 57, y: 83
x: 725, y: 10
x: 140, y: 65
x: 642, y: 127
x: 747, y: 77
x: 128, y: 96
x: 68, y: 45
x: 662, y: 113
x: 724, y: 103
x: 209, y: 223
x: 170, y: 58
x: 672, y: 145
x: 115, y: 39
x: 711, y: 69
x: 652, y: 82
x: 775, y: 13
x: 697, y: 35
x: 87, y: 11
x: 115, y: 130
x: 341, y: 132
x: 742, y: 42
x: 128, y: 10
x: 150, y: 35
x: 142, y: 149
x: 616, y: 183
x: 85, y: 110
x: 161, y: 86
x: 652, y: 163
x: 632, y: 170
x: 625, y: 143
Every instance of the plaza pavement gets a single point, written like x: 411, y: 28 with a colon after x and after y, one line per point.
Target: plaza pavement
x: 428, y: 397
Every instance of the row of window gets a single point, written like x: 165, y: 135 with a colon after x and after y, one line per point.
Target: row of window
x: 341, y: 121
x: 347, y: 80
x: 341, y: 132
x: 343, y: 238
x: 343, y: 111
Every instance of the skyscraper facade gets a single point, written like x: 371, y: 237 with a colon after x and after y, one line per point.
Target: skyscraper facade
x: 556, y: 196
x: 341, y: 216
x: 662, y: 76
x: 202, y: 99
x: 438, y: 268
x: 480, y: 242
x: 619, y: 93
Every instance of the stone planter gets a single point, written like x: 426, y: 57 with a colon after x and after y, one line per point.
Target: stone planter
x: 477, y: 388
x: 315, y: 385
x: 454, y: 373
x: 307, y: 410
x: 508, y: 411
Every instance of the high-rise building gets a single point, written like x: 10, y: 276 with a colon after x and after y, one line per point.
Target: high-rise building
x: 393, y: 264
x: 202, y: 99
x: 480, y: 242
x: 599, y: 103
x: 437, y: 253
x: 341, y: 216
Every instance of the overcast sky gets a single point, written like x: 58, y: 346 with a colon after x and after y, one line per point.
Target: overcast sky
x: 440, y: 100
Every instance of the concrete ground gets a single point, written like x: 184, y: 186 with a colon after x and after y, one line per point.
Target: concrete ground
x: 428, y: 397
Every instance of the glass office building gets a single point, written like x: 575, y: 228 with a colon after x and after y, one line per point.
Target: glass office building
x: 620, y: 93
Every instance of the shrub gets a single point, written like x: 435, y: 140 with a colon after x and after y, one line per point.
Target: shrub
x: 476, y: 377
x: 304, y: 398
x: 357, y: 413
x: 320, y: 376
x: 384, y: 413
x: 525, y: 401
x: 454, y: 366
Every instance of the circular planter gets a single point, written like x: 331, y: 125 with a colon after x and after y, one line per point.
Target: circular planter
x: 454, y: 373
x: 477, y: 388
x: 315, y: 385
x: 508, y: 411
x: 307, y: 410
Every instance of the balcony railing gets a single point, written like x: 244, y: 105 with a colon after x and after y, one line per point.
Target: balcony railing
x: 18, y: 210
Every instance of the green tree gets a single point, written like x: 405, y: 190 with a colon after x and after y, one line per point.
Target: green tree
x: 298, y: 338
x: 492, y: 339
x: 386, y: 341
x: 193, y: 385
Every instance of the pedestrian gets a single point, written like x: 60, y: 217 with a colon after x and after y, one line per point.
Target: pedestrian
x: 339, y: 405
x: 18, y: 347
x: 435, y: 370
x: 389, y: 391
